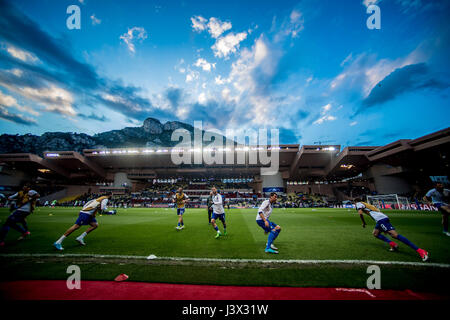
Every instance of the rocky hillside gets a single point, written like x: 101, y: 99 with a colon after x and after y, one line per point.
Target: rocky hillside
x: 151, y: 134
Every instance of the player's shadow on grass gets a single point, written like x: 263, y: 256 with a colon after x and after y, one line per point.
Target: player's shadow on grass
x: 404, y: 251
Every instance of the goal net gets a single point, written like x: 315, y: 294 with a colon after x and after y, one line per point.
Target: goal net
x: 389, y: 201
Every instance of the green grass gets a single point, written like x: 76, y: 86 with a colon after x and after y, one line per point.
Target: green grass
x: 306, y: 234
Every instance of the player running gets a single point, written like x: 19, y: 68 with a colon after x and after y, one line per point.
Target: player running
x: 269, y: 227
x: 439, y: 197
x: 25, y: 204
x: 383, y: 225
x: 86, y: 217
x: 218, y: 213
x: 180, y: 200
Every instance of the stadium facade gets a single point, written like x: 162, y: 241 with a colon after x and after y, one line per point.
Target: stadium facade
x: 401, y: 167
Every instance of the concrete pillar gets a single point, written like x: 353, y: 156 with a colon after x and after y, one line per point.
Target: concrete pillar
x: 387, y: 182
x: 120, y: 178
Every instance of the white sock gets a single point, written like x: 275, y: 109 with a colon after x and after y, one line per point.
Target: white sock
x: 84, y: 234
x: 60, y: 240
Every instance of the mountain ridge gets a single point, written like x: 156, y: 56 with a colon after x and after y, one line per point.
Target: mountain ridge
x: 152, y: 133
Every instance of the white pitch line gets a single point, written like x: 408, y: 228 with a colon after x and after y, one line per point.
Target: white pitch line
x: 291, y: 261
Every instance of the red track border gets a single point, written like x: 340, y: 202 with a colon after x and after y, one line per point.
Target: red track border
x: 111, y: 290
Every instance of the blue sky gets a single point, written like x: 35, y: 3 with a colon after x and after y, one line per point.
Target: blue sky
x: 310, y: 68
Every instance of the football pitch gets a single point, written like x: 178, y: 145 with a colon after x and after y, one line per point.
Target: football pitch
x: 317, y: 248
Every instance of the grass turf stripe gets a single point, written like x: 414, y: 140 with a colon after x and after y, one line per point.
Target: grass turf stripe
x: 187, y: 259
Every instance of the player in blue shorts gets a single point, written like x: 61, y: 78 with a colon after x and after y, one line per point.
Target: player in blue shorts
x: 439, y: 197
x: 180, y: 200
x: 384, y: 225
x: 218, y: 212
x: 85, y: 217
x: 269, y: 227
x: 25, y: 204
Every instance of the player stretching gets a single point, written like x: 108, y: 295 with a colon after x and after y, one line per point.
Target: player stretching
x: 218, y: 213
x: 262, y: 219
x: 383, y: 225
x: 26, y: 201
x: 180, y: 200
x: 86, y: 217
x: 438, y: 196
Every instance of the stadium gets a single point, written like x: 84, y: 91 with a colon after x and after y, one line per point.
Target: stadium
x: 316, y: 185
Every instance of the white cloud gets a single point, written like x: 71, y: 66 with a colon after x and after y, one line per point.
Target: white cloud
x: 226, y: 93
x: 324, y: 114
x: 198, y: 23
x: 354, y: 123
x: 326, y: 108
x: 249, y: 75
x: 220, y: 81
x: 15, y: 118
x: 202, y: 99
x: 191, y: 76
x: 347, y: 59
x: 53, y: 99
x: 21, y: 54
x: 16, y: 72
x: 95, y: 21
x: 9, y: 101
x: 228, y: 44
x: 224, y: 45
x: 179, y: 67
x: 205, y: 65
x: 214, y: 26
x: 135, y: 33
x: 369, y: 2
x: 325, y: 118
x: 242, y: 70
x: 182, y: 113
x: 290, y: 27
x: 295, y: 16
x: 131, y: 106
x: 217, y: 27
x: 365, y: 71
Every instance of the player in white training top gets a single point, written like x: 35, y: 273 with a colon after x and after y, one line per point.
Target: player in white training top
x: 26, y: 202
x: 85, y: 217
x: 382, y: 224
x: 218, y: 212
x: 440, y: 197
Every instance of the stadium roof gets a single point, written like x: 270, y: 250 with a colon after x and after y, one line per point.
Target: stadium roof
x: 295, y: 162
